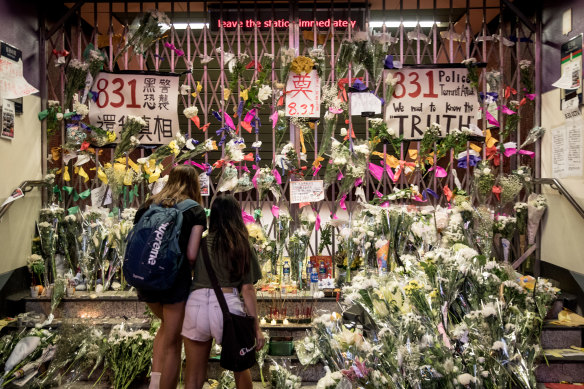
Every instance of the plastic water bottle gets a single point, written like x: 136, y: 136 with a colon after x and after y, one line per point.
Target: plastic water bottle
x: 313, y: 281
x: 286, y: 273
x: 321, y: 270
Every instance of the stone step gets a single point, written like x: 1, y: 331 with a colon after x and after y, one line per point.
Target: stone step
x: 568, y: 369
x: 554, y: 336
x: 126, y: 304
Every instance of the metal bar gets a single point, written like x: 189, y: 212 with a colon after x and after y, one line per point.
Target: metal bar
x: 555, y: 184
x: 25, y: 186
x: 523, y: 257
x: 520, y: 15
x: 65, y: 17
x: 43, y: 92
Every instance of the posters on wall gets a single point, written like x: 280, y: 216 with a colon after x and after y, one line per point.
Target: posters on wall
x: 303, y: 95
x: 16, y: 194
x: 423, y: 96
x: 153, y: 97
x: 306, y: 191
x: 571, y: 69
x: 7, y: 119
x: 567, y: 147
x: 12, y: 82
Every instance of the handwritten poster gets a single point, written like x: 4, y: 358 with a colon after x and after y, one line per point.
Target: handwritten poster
x: 425, y: 96
x: 567, y: 147
x: 153, y: 97
x: 306, y: 191
x: 303, y: 95
x: 12, y: 82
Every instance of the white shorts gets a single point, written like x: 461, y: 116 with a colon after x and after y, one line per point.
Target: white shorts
x: 203, y: 317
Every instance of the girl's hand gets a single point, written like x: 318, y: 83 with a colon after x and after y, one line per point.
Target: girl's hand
x: 260, y: 340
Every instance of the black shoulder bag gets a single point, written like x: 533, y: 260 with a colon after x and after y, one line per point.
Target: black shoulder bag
x: 238, y: 344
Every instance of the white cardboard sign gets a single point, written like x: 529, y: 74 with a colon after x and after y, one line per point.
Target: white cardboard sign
x: 152, y: 97
x: 425, y: 96
x: 303, y: 95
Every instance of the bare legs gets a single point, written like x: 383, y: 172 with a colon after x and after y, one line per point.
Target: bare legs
x: 197, y: 359
x: 167, y: 343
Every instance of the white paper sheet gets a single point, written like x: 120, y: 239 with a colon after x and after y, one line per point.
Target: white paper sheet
x: 570, y: 77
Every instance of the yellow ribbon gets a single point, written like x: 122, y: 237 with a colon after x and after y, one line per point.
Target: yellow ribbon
x: 489, y: 140
x: 198, y: 90
x: 82, y: 173
x: 413, y: 154
x: 244, y: 94
x: 131, y: 163
x: 302, y: 142
x: 66, y: 176
x: 226, y: 94
x: 476, y: 148
x: 390, y: 160
x: 101, y: 175
x: 317, y: 162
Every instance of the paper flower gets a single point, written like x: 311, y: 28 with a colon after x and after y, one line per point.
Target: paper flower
x: 190, y: 112
x: 301, y: 65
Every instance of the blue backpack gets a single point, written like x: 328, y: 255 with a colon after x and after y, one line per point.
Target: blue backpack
x: 153, y: 256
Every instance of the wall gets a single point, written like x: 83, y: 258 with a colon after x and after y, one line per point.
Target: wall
x: 563, y: 228
x: 20, y: 159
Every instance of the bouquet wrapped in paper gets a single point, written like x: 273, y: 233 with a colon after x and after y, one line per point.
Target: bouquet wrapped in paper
x: 536, y: 206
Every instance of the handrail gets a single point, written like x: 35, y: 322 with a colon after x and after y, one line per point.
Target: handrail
x: 554, y: 183
x: 25, y: 186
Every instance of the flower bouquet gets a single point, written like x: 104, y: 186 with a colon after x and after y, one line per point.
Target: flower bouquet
x: 144, y: 31
x: 194, y: 149
x: 36, y: 267
x: 282, y: 378
x: 536, y: 206
x: 286, y: 57
x: 265, y: 181
x: 173, y: 148
x: 483, y: 181
x: 344, y: 58
x: 505, y: 226
x: 128, y: 141
x: 511, y: 185
x: 48, y: 234
x: 99, y: 137
x: 128, y: 354
x: 76, y: 74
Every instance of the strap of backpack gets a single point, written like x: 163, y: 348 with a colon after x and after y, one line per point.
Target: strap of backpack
x: 213, y: 279
x: 186, y: 204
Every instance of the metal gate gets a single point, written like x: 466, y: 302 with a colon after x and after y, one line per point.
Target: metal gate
x: 423, y: 32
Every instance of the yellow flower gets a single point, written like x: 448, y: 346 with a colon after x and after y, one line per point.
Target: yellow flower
x: 434, y: 294
x: 226, y: 93
x: 245, y: 94
x: 301, y: 65
x: 174, y: 148
x: 111, y: 136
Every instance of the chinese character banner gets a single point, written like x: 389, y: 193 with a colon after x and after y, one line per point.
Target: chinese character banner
x: 154, y: 98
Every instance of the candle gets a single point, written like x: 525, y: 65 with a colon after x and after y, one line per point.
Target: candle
x: 263, y: 321
x: 285, y: 322
x: 273, y: 322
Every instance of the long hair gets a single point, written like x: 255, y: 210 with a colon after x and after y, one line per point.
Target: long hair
x: 182, y: 184
x: 231, y: 243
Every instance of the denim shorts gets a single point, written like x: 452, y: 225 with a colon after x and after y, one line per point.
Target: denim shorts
x: 203, y: 317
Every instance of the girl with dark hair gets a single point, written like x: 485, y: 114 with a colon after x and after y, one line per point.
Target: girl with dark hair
x: 169, y: 305
x: 237, y: 269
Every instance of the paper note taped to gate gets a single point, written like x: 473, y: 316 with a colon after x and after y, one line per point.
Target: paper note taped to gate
x: 365, y: 104
x: 306, y: 191
x: 425, y: 96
